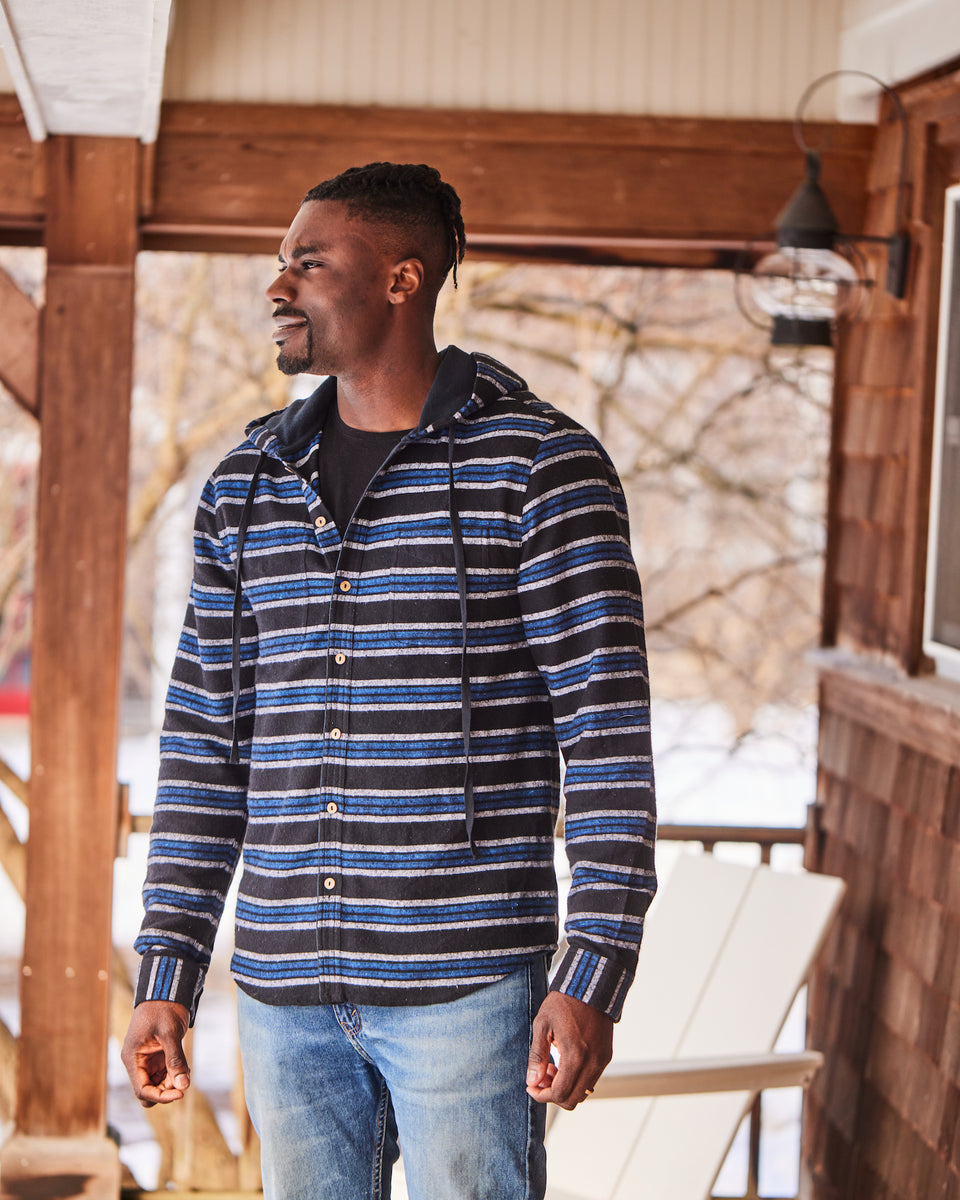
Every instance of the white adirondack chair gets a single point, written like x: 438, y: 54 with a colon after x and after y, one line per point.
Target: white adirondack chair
x: 726, y: 950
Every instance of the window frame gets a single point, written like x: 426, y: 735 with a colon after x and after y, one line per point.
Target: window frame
x: 946, y: 656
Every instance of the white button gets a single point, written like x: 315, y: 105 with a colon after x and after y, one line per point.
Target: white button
x: 331, y: 807
x: 344, y: 585
x: 336, y: 734
x: 329, y: 883
x: 320, y: 522
x: 340, y: 659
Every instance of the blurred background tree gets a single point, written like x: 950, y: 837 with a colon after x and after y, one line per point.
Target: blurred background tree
x: 721, y: 446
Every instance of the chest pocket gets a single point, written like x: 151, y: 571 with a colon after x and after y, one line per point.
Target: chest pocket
x: 277, y: 579
x: 420, y: 578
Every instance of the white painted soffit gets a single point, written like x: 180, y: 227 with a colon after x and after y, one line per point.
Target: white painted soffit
x: 895, y: 40
x: 87, y: 66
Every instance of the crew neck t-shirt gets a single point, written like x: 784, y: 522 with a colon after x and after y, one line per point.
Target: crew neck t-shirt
x: 348, y: 459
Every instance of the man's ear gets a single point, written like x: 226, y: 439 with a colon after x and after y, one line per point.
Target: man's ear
x: 406, y: 280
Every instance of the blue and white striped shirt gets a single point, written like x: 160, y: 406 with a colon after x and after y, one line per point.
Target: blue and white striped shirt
x: 400, y: 695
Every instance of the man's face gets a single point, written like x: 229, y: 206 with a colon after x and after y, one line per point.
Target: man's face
x: 331, y: 296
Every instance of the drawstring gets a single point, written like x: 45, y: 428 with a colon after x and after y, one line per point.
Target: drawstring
x: 464, y: 668
x: 238, y: 606
x: 459, y: 562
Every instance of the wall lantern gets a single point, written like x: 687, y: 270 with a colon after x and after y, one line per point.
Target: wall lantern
x: 817, y: 273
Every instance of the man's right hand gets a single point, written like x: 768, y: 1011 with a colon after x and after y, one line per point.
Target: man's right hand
x: 153, y: 1052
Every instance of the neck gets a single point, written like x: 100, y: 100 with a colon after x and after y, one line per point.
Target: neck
x: 388, y: 396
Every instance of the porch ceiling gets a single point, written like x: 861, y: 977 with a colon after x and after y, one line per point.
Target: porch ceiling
x: 87, y: 68
x: 101, y: 66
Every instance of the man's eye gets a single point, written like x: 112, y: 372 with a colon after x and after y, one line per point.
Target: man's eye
x: 309, y: 263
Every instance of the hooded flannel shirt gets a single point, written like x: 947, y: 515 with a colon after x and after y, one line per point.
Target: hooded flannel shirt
x: 373, y: 721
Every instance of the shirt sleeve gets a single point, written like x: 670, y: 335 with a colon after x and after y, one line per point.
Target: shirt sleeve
x: 583, y: 618
x: 200, y: 813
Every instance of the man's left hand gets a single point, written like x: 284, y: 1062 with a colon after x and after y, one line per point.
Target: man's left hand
x: 583, y: 1037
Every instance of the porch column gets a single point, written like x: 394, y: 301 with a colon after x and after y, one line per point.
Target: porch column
x: 85, y: 378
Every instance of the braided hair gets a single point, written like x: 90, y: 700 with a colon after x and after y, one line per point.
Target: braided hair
x: 410, y: 197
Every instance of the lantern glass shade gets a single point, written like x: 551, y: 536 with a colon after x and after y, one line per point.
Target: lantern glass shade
x: 798, y: 283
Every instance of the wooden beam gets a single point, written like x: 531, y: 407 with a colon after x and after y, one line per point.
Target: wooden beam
x: 920, y: 712
x: 932, y: 175
x: 21, y: 178
x: 555, y: 187
x: 595, y: 252
x: 830, y: 586
x: 86, y: 378
x: 19, y: 345
x: 230, y: 176
x: 59, y: 1167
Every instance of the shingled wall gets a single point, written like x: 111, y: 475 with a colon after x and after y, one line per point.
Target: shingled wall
x: 882, y: 1117
x: 881, y: 1121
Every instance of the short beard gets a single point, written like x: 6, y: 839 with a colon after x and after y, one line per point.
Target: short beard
x: 294, y: 365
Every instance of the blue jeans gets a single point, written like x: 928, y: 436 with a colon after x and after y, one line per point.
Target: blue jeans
x: 334, y: 1091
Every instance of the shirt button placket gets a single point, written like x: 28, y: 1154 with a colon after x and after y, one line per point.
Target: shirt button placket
x: 332, y: 866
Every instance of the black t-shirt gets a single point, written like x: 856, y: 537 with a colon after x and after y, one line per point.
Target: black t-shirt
x: 348, y: 459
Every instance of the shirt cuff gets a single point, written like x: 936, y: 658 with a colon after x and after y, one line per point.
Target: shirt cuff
x: 164, y: 977
x: 592, y: 978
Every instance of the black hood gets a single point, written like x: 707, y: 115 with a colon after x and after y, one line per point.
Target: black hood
x: 458, y: 383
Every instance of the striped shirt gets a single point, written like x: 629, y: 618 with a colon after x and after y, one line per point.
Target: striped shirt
x: 396, y: 698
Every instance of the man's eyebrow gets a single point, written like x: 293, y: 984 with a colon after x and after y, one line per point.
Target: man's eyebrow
x: 305, y: 251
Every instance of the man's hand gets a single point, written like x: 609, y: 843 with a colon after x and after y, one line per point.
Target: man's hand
x: 584, y: 1040
x: 153, y: 1052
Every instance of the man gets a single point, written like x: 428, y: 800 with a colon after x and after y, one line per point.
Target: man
x: 409, y: 588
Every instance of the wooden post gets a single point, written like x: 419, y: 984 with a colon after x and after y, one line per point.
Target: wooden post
x: 85, y: 374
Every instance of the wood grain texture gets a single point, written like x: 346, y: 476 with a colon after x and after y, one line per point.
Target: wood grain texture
x: 658, y: 191
x: 19, y: 345
x: 882, y: 1117
x: 21, y: 174
x: 228, y: 171
x: 936, y: 176
x: 884, y: 1005
x: 32, y: 1168
x: 923, y: 713
x: 878, y: 506
x: 81, y: 526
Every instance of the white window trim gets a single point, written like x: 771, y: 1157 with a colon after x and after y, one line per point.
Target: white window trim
x: 947, y: 658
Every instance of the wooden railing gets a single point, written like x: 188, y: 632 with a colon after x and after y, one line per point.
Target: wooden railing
x: 195, y: 1158
x: 764, y: 836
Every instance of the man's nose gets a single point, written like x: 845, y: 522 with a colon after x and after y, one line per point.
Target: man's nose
x: 280, y: 289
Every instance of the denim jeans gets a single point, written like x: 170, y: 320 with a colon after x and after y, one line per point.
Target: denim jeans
x: 334, y: 1091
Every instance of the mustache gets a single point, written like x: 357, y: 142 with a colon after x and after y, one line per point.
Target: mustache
x: 285, y: 310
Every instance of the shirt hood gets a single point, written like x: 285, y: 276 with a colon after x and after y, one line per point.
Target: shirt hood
x: 463, y: 382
